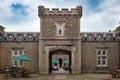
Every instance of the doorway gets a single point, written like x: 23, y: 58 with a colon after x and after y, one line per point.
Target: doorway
x: 60, y: 61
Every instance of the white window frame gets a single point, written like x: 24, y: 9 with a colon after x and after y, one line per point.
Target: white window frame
x: 14, y: 54
x: 13, y: 62
x: 98, y: 61
x: 100, y: 58
x: 17, y: 61
x: 21, y: 51
x: 105, y: 61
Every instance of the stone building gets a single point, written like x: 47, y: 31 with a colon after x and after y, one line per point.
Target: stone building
x: 60, y: 46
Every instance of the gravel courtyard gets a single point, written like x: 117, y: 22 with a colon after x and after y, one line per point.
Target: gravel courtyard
x: 67, y: 77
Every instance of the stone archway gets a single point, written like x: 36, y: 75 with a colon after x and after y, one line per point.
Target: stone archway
x: 44, y: 58
x: 60, y: 61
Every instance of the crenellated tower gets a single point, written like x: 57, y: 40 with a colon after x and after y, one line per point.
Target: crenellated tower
x: 51, y: 19
x: 59, y: 33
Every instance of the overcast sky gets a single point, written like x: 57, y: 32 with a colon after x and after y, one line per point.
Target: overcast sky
x: 22, y: 15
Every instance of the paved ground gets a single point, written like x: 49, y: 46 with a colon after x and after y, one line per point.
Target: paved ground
x: 67, y: 77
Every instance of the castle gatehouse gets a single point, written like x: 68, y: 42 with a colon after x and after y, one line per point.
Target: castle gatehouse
x: 60, y: 47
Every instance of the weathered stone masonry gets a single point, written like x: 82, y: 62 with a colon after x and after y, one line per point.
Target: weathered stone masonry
x: 82, y: 46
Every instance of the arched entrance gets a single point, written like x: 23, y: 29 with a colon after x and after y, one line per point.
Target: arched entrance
x: 60, y: 61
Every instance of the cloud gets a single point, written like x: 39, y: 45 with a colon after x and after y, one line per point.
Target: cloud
x: 60, y: 3
x: 22, y: 15
x: 19, y: 9
x: 30, y: 26
x: 19, y: 15
x: 104, y: 20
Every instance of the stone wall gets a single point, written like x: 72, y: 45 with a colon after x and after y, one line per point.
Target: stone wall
x: 31, y: 50
x: 49, y: 29
x: 49, y: 19
x: 89, y: 58
x: 47, y: 46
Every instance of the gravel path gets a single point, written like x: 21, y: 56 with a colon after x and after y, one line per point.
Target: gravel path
x: 67, y: 77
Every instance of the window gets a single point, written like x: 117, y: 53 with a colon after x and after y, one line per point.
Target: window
x: 17, y: 63
x: 14, y: 62
x: 20, y: 63
x: 20, y: 52
x: 15, y: 53
x: 60, y: 30
x: 102, y: 57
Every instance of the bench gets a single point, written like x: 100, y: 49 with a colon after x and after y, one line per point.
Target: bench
x: 14, y: 71
x: 115, y: 73
x: 20, y: 72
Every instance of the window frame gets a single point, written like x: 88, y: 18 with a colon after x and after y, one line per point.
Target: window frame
x: 17, y: 62
x: 14, y: 53
x: 60, y: 27
x: 102, y: 58
x: 13, y: 62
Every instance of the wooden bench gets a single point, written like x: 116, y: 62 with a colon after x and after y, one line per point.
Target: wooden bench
x: 20, y: 72
x: 14, y: 71
x: 115, y: 73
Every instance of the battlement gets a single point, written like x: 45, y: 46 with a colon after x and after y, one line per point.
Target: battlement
x: 100, y: 36
x: 34, y: 36
x: 56, y: 12
x: 19, y: 36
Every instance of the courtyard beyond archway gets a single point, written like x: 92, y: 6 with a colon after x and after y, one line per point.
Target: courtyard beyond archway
x: 59, y: 61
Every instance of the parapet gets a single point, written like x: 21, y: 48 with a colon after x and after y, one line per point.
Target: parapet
x: 100, y: 36
x: 19, y: 36
x: 56, y: 12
